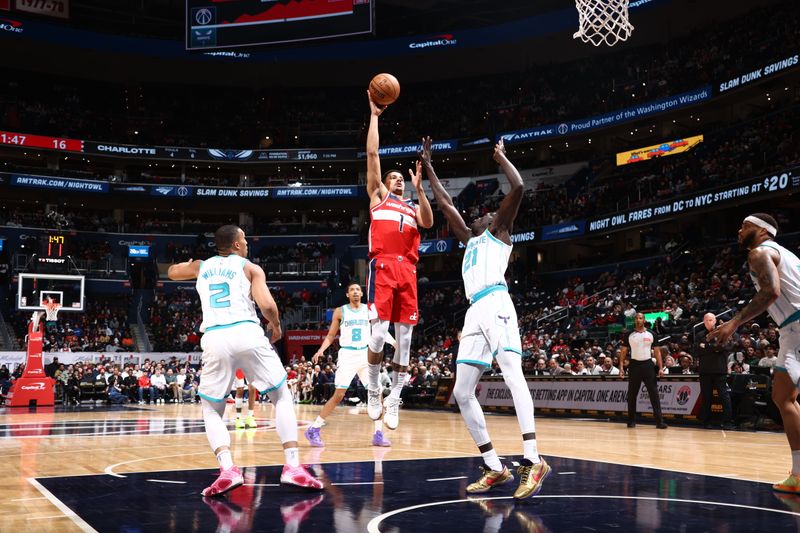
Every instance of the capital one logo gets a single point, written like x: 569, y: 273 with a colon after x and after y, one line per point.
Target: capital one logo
x: 203, y: 16
x: 36, y: 386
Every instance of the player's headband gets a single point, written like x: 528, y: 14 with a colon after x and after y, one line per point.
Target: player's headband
x: 762, y: 224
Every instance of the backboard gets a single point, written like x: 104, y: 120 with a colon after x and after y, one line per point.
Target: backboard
x: 34, y: 289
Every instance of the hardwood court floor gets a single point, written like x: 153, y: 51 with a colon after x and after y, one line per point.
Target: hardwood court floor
x: 170, y: 438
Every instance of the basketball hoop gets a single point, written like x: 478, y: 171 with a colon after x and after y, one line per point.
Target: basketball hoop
x: 603, y: 21
x: 51, y: 310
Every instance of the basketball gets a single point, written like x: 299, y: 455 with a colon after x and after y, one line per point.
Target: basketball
x: 384, y: 89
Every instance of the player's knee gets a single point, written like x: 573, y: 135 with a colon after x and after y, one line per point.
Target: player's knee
x: 462, y: 394
x: 378, y: 338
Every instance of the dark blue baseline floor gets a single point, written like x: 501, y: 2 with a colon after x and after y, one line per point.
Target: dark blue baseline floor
x: 578, y: 496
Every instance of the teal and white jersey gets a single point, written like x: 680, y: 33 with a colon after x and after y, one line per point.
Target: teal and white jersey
x: 485, y: 263
x: 786, y: 308
x: 225, y: 293
x: 354, y: 329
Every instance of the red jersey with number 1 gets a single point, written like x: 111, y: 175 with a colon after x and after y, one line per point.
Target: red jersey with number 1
x: 393, y: 229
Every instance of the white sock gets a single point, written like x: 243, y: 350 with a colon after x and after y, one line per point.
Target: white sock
x: 492, y: 461
x: 238, y: 404
x: 530, y: 451
x: 292, y: 456
x: 379, y: 425
x: 318, y: 423
x: 796, y: 462
x: 250, y: 412
x: 225, y: 459
x: 373, y: 373
x: 399, y: 381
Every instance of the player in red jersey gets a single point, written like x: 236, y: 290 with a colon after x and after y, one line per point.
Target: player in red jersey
x: 392, y: 282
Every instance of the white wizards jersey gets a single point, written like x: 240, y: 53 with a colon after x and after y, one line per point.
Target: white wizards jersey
x: 786, y: 308
x: 354, y: 329
x: 225, y: 293
x: 485, y: 263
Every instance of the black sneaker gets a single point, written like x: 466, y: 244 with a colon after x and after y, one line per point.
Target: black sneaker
x: 631, y: 424
x: 661, y: 425
x: 729, y: 426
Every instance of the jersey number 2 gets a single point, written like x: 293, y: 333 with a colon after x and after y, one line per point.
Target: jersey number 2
x: 220, y: 295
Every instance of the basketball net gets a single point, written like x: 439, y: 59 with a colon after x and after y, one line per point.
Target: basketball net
x: 50, y: 310
x: 603, y: 21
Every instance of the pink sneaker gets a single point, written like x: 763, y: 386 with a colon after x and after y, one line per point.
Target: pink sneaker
x: 227, y: 480
x: 295, y: 514
x: 299, y: 476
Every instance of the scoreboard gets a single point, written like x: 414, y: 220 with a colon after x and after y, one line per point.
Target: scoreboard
x: 214, y: 24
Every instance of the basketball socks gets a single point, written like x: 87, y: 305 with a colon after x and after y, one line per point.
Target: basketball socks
x: 492, y: 460
x: 399, y: 381
x: 318, y: 423
x: 374, y: 372
x: 378, y: 425
x: 250, y: 413
x: 530, y: 451
x: 796, y: 462
x: 292, y: 457
x: 238, y: 403
x: 225, y: 459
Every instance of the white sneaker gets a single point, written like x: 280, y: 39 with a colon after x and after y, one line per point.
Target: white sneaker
x: 392, y: 417
x: 374, y: 407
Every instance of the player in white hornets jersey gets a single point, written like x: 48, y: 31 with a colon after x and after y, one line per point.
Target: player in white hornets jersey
x: 490, y: 328
x: 229, y: 287
x: 352, y: 323
x: 776, y: 274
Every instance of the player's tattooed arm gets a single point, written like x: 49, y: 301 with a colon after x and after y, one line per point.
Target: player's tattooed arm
x: 762, y: 261
x: 443, y: 199
x: 507, y: 212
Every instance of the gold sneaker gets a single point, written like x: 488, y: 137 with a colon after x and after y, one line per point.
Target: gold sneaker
x: 531, y: 477
x: 490, y: 478
x: 789, y: 485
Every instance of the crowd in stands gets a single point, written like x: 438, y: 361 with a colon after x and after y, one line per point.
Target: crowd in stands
x: 102, y: 327
x: 154, y: 382
x: 768, y: 143
x: 542, y: 94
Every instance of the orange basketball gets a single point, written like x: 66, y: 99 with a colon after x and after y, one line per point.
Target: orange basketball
x: 384, y: 89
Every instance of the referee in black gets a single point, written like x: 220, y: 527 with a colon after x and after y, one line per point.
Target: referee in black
x: 714, y: 373
x: 640, y: 345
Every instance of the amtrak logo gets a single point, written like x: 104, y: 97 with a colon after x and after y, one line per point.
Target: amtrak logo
x: 164, y: 190
x: 230, y: 155
x: 203, y: 16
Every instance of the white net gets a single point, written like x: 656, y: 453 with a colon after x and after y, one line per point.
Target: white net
x: 51, y: 310
x: 603, y: 21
